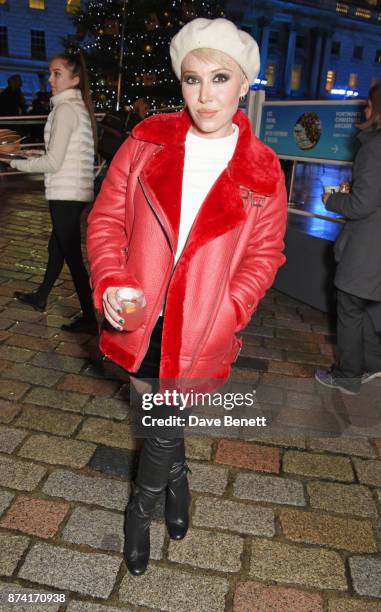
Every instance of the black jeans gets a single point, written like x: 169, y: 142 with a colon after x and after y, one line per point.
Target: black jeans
x: 358, y: 345
x: 65, y: 246
x: 150, y: 366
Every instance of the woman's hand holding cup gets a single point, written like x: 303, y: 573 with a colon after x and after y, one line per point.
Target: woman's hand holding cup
x: 111, y: 308
x: 124, y: 307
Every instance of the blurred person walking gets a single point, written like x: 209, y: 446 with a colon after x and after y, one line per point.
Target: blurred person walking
x: 116, y: 126
x: 138, y: 112
x: 358, y: 256
x: 40, y: 106
x: 68, y: 164
x: 12, y: 101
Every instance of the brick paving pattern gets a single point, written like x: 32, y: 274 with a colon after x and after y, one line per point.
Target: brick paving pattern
x: 286, y: 519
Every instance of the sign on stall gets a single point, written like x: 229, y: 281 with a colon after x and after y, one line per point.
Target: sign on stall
x: 322, y: 131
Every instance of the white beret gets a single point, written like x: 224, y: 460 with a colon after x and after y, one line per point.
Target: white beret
x: 219, y: 34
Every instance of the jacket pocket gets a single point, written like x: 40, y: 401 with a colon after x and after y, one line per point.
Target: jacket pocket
x: 234, y: 352
x: 242, y: 317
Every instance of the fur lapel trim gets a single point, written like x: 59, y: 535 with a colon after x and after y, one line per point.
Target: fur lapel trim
x: 161, y: 180
x: 254, y: 165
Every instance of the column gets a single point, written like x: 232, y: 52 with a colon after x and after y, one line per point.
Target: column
x: 315, y: 65
x: 290, y: 60
x: 264, y: 50
x: 325, y: 63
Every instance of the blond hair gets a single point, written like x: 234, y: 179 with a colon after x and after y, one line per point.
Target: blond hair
x: 217, y: 56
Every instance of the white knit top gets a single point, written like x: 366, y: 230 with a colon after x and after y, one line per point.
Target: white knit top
x: 69, y: 160
x: 205, y: 159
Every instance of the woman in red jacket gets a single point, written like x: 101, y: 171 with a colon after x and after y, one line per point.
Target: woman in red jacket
x: 192, y: 212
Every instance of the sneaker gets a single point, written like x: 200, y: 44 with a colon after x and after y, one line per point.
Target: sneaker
x: 31, y: 299
x: 326, y: 378
x: 368, y: 376
x: 81, y: 325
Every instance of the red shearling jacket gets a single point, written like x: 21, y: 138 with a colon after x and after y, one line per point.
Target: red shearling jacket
x: 230, y: 259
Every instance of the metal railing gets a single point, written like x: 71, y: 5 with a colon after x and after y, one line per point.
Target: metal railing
x: 38, y: 120
x: 34, y: 119
x: 306, y: 213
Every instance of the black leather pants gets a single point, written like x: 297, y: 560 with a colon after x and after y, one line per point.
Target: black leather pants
x: 156, y: 459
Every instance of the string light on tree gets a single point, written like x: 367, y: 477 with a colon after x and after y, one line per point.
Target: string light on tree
x: 149, y: 27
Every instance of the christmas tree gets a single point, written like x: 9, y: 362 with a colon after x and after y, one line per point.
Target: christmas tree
x: 131, y: 38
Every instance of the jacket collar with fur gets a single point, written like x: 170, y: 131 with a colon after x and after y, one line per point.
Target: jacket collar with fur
x: 253, y: 167
x: 253, y: 164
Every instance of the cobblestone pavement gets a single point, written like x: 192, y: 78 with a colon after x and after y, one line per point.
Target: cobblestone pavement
x: 287, y: 523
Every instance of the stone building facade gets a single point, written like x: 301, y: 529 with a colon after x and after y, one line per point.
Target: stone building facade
x: 308, y: 47
x: 311, y: 47
x: 30, y: 32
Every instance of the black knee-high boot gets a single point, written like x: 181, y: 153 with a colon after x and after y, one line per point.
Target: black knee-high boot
x: 178, y: 497
x: 157, y: 457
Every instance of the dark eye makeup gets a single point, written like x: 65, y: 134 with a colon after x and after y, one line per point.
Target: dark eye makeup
x: 220, y: 77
